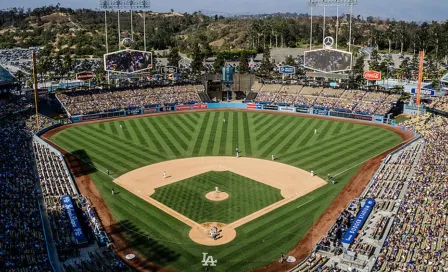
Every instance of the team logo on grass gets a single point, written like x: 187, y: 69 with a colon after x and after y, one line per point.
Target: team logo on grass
x: 209, y: 261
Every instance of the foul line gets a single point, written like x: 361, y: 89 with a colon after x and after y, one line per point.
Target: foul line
x: 402, y: 143
x: 305, y: 203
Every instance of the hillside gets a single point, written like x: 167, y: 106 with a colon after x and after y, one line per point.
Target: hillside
x: 81, y: 32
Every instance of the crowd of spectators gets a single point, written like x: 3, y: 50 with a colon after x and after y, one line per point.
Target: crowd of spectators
x: 409, y: 220
x: 23, y: 179
x: 22, y: 242
x: 418, y: 240
x: 11, y: 103
x: 356, y: 101
x: 440, y: 104
x: 96, y: 101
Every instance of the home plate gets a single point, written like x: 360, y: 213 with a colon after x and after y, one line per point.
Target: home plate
x: 132, y: 256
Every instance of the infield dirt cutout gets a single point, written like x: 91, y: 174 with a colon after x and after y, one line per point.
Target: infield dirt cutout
x: 292, y: 182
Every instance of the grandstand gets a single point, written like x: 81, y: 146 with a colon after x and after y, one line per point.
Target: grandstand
x: 356, y: 101
x: 98, y: 101
x: 407, y: 227
x: 6, y: 78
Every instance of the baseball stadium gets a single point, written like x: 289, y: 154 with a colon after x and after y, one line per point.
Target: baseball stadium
x: 300, y: 164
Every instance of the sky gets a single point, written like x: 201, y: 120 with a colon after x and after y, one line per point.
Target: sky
x: 409, y: 10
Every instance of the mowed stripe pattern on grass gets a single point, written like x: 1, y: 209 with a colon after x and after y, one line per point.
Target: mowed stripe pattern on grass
x: 336, y: 147
x: 246, y: 196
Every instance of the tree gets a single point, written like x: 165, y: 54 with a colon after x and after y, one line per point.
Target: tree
x: 358, y: 71
x: 174, y: 57
x: 290, y: 61
x: 196, y: 64
x: 374, y: 62
x: 244, y: 64
x: 266, y: 65
x: 220, y: 61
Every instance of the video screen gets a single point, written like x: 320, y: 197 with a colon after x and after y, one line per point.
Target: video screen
x: 127, y: 61
x: 328, y: 60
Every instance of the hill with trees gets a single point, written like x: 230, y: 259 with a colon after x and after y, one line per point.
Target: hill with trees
x: 80, y: 32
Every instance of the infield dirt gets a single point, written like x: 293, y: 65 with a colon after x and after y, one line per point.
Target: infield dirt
x: 352, y: 190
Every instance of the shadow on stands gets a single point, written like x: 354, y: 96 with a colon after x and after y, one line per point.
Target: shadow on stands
x: 80, y: 163
x: 140, y: 241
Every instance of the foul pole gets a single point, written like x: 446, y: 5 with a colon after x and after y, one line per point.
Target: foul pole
x: 420, y: 78
x: 35, y: 88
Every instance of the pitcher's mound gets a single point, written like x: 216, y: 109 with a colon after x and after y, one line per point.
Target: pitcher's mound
x: 217, y: 196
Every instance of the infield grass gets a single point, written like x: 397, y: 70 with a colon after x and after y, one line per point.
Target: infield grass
x: 338, y: 148
x: 246, y: 196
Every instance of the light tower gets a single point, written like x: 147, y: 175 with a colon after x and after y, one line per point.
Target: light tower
x: 125, y: 5
x: 332, y: 3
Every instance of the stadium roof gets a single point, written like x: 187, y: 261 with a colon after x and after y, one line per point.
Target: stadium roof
x: 6, y: 77
x: 444, y: 78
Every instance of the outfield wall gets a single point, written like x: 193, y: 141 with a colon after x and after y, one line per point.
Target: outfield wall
x: 247, y: 106
x: 251, y: 106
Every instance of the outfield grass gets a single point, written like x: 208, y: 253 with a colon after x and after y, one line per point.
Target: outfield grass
x: 339, y: 148
x: 246, y: 196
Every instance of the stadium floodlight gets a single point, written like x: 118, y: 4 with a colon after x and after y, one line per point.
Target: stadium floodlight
x: 125, y: 4
x: 330, y: 3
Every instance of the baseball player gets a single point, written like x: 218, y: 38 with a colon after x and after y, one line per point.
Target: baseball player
x: 312, y: 173
x: 315, y: 131
x: 224, y: 120
x: 121, y: 126
x: 272, y: 157
x: 164, y: 174
x: 113, y: 192
x: 237, y: 151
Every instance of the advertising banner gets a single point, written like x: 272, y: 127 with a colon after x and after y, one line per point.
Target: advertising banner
x: 287, y: 70
x: 427, y: 92
x: 199, y: 106
x: 167, y: 108
x: 351, y: 115
x: 84, y: 75
x: 150, y: 110
x: 251, y: 106
x: 363, y: 117
x: 290, y: 109
x: 78, y: 235
x: 359, y: 221
x: 182, y: 107
x: 133, y: 112
x: 270, y: 107
x: 90, y: 117
x: 372, y: 75
x: 301, y: 110
x: 320, y: 112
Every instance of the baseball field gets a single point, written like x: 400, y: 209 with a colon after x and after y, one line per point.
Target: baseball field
x: 130, y: 156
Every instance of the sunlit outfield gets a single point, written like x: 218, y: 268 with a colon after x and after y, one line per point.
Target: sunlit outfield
x: 338, y: 148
